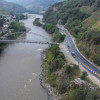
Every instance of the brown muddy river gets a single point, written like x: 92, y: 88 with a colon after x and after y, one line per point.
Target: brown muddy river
x: 20, y: 66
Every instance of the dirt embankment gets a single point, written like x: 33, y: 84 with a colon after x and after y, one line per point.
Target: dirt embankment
x: 71, y: 60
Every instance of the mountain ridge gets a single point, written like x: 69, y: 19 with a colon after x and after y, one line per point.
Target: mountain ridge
x: 12, y: 7
x: 35, y: 5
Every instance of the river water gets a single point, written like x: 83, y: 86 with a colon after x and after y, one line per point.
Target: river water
x: 20, y: 66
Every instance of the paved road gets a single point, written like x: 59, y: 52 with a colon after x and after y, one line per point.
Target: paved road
x: 79, y: 57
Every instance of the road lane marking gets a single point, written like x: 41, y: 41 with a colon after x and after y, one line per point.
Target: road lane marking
x: 97, y: 74
x: 91, y: 70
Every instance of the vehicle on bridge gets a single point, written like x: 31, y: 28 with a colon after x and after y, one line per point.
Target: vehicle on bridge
x: 73, y: 54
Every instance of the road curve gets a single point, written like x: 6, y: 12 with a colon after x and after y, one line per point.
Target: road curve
x: 79, y: 57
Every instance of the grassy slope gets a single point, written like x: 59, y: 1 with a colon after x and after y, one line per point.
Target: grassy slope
x: 3, y: 12
x: 82, y: 19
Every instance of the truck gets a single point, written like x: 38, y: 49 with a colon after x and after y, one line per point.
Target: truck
x: 73, y: 54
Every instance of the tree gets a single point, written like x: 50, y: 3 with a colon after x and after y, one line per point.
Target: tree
x: 17, y: 26
x: 2, y: 21
x: 84, y: 75
x: 68, y: 69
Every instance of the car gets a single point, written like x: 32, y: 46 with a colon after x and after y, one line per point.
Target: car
x: 68, y: 46
x: 73, y: 54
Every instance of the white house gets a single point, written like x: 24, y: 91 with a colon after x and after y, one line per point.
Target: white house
x: 6, y: 25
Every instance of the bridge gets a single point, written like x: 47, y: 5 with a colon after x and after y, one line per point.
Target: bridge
x: 28, y: 41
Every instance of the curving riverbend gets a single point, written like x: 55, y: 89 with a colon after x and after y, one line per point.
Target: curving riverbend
x: 20, y: 66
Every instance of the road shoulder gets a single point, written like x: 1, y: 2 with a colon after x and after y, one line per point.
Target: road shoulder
x: 71, y: 60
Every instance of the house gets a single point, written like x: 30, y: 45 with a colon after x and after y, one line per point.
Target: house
x: 8, y: 18
x: 4, y: 29
x: 3, y: 37
x: 11, y: 30
x: 14, y: 17
x: 6, y: 24
x: 6, y: 34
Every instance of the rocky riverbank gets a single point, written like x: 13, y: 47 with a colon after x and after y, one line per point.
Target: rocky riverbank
x: 50, y: 91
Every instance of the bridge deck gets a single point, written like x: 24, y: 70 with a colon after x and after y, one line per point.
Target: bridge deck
x: 27, y: 41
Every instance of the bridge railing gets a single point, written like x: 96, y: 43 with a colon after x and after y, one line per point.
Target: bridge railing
x: 28, y: 41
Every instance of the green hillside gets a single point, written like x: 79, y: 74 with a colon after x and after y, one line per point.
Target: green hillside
x: 82, y: 19
x: 4, y: 12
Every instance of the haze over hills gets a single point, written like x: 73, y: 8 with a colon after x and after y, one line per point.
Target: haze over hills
x: 35, y: 5
x: 9, y: 6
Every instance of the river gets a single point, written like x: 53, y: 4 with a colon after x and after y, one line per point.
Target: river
x: 20, y: 66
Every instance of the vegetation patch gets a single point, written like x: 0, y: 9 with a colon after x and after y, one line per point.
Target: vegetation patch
x: 81, y: 18
x: 36, y: 22
x: 64, y: 78
x: 17, y: 26
x: 51, y: 29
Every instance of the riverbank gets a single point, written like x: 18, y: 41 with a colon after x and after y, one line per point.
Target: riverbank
x: 59, y: 82
x: 49, y: 90
x: 17, y: 29
x: 4, y: 45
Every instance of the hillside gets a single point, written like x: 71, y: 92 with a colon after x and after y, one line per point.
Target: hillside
x: 4, y: 12
x: 35, y: 5
x: 82, y: 19
x: 11, y: 6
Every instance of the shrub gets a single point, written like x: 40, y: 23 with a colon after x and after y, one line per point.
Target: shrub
x: 50, y: 28
x: 36, y: 22
x: 84, y: 75
x: 58, y: 37
x: 96, y: 59
x: 51, y: 79
x: 17, y: 26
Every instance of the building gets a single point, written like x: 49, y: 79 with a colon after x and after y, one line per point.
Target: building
x: 6, y: 24
x: 4, y: 29
x: 11, y: 30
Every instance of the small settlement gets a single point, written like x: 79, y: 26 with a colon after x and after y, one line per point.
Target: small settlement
x: 5, y: 21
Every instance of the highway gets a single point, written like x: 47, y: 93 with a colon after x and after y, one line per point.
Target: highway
x: 79, y: 57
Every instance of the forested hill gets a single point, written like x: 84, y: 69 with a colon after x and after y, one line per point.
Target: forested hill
x: 11, y: 6
x: 82, y: 19
x: 35, y: 5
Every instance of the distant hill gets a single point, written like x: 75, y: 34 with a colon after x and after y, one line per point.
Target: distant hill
x: 9, y: 6
x: 35, y: 5
x: 82, y: 19
x: 4, y: 12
